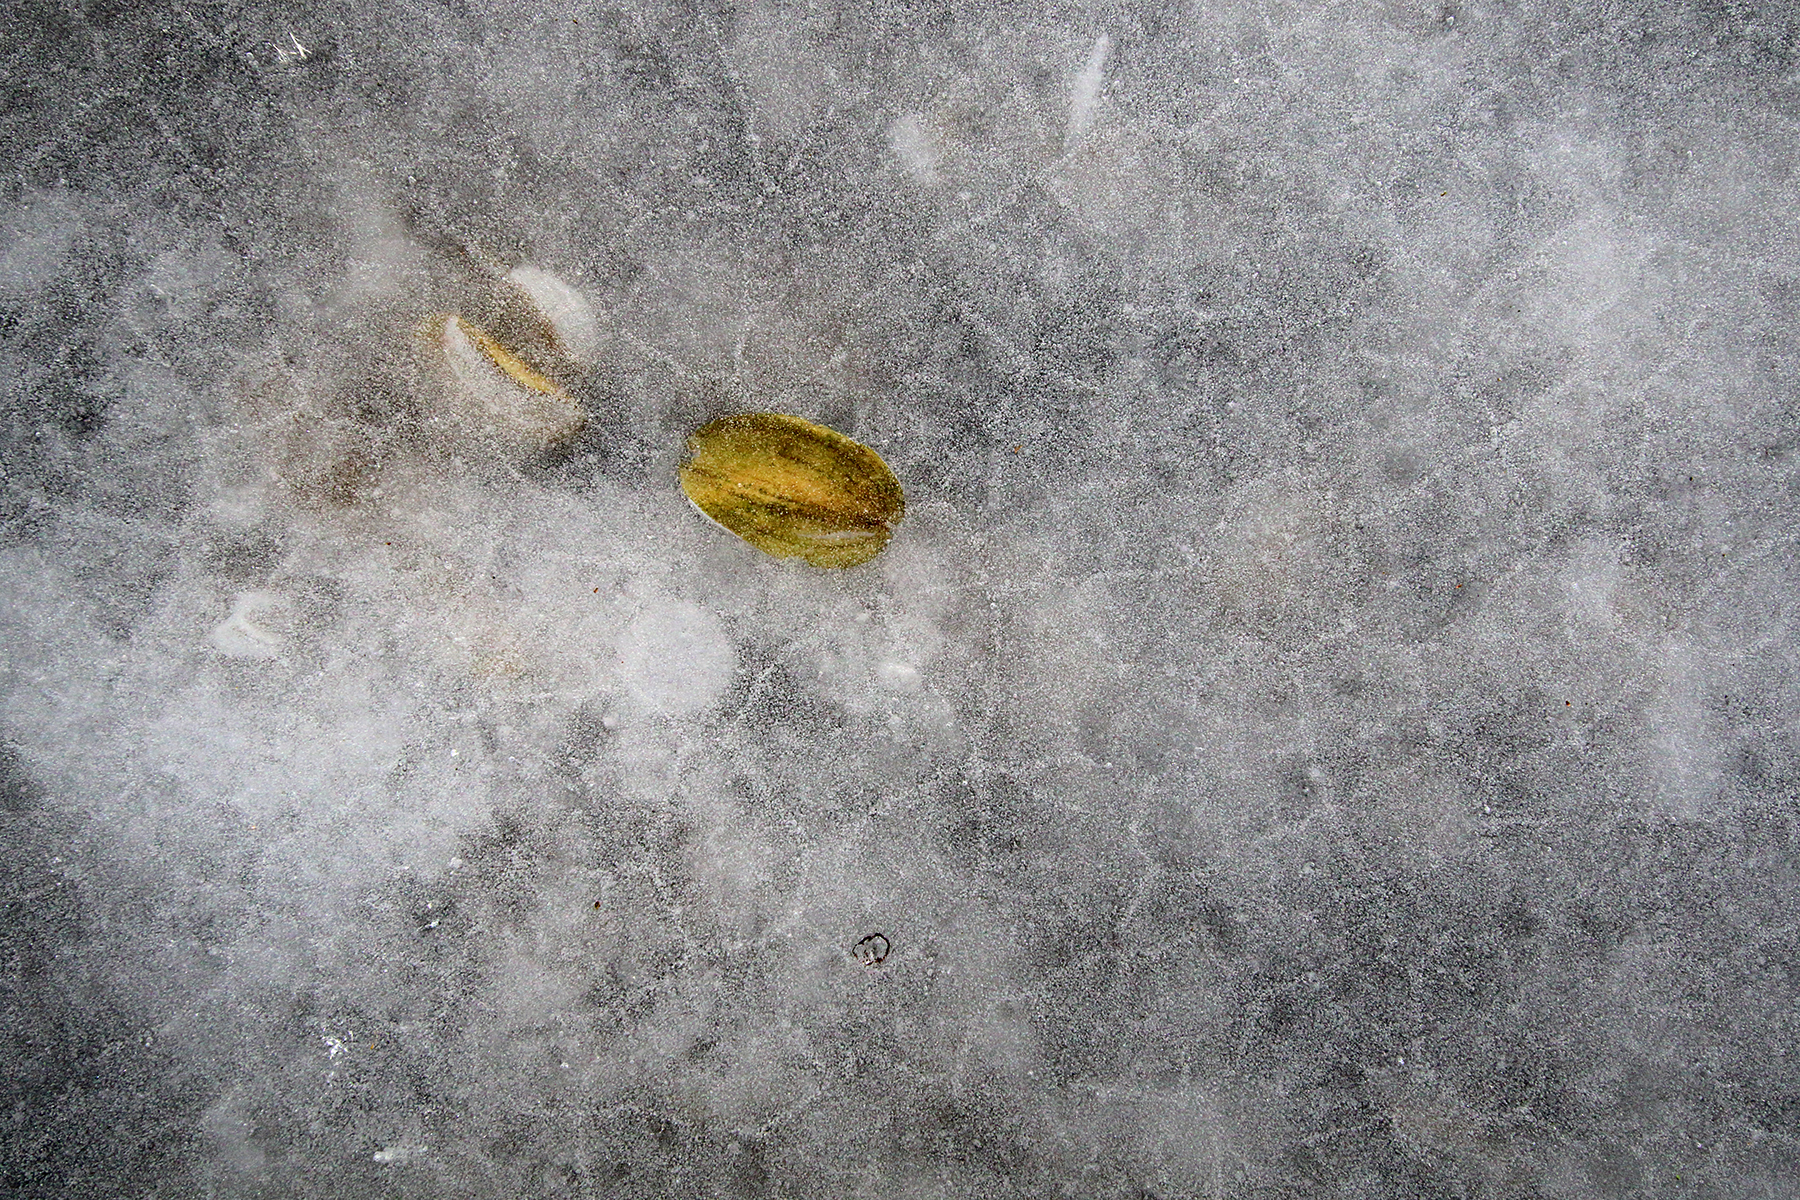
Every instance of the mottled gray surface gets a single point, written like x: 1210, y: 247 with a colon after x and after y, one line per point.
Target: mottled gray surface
x: 1326, y: 727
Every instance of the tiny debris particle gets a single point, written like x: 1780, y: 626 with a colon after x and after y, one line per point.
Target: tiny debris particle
x: 872, y: 951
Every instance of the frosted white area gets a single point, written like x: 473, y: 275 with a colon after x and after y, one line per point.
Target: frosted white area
x: 1086, y: 93
x: 676, y: 658
x: 253, y: 630
x: 1325, y: 727
x: 565, y: 308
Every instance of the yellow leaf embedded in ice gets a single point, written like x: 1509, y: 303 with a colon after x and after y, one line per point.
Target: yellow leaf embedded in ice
x: 793, y: 489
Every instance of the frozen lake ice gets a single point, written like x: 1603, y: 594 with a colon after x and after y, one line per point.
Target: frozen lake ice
x: 1326, y: 725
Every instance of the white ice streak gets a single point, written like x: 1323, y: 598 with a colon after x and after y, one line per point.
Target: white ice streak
x: 1084, y: 97
x: 399, y: 1155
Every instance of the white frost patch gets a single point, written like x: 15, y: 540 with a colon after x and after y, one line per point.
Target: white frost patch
x: 1084, y: 97
x: 381, y: 258
x: 1683, y: 747
x: 897, y: 676
x: 252, y: 630
x: 401, y: 1154
x: 914, y: 147
x: 1592, y: 581
x: 35, y: 238
x: 676, y: 658
x: 567, y: 310
x: 226, y: 1124
x: 1271, y: 563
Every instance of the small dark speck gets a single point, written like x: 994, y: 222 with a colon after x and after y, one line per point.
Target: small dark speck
x: 872, y: 951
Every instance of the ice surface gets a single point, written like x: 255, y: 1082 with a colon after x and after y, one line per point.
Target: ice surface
x: 1325, y: 727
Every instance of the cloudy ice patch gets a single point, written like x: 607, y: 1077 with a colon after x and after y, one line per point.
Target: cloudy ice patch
x: 39, y: 232
x: 400, y: 1154
x: 253, y: 630
x: 916, y: 149
x: 563, y: 305
x: 1326, y: 721
x: 675, y: 658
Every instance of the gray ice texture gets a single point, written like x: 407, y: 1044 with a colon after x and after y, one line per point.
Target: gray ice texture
x: 1326, y: 726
